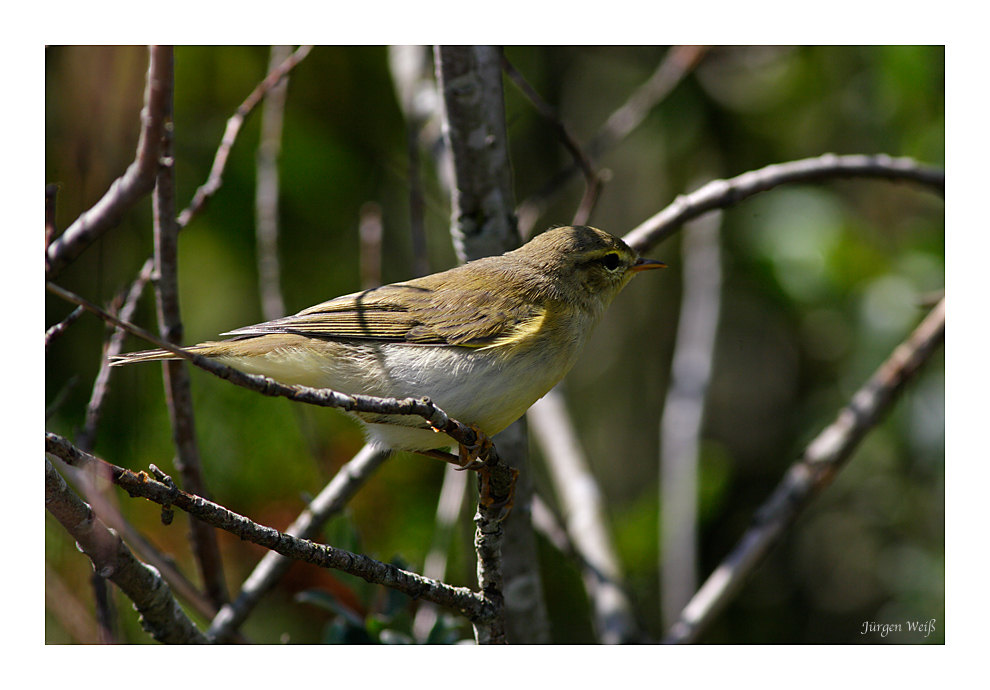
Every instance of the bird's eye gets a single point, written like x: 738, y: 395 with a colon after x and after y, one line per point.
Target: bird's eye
x: 611, y: 261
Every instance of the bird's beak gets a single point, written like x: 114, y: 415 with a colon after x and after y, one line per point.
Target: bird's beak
x: 646, y: 265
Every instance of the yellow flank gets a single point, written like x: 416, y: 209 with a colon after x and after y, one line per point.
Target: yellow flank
x: 520, y: 333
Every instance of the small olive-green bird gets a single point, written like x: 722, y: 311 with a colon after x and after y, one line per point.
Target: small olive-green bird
x: 483, y: 341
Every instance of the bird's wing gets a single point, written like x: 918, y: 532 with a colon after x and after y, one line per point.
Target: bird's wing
x: 425, y: 311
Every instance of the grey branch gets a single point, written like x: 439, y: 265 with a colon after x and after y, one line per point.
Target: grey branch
x: 136, y: 182
x: 161, y: 615
x: 683, y: 413
x: 215, y: 179
x: 267, y: 190
x: 178, y: 394
x: 476, y: 607
x: 584, y: 514
x: 273, y: 566
x: 724, y: 193
x: 470, y: 82
x: 818, y: 466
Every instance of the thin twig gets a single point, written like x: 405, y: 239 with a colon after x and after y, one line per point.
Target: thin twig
x: 351, y: 477
x: 51, y: 227
x: 58, y: 329
x: 818, y: 466
x: 161, y: 615
x: 473, y: 605
x: 724, y: 193
x: 592, y: 180
x: 234, y: 124
x: 112, y: 347
x: 676, y: 64
x: 137, y: 181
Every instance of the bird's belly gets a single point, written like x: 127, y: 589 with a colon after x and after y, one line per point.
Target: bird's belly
x: 479, y: 386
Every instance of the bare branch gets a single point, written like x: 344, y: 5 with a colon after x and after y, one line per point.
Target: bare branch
x: 820, y: 463
x: 470, y: 82
x: 137, y: 181
x: 592, y: 181
x: 161, y: 615
x: 273, y: 566
x: 676, y: 64
x: 469, y: 79
x: 476, y: 607
x: 584, y: 514
x: 215, y: 178
x: 724, y: 193
x: 267, y: 190
x: 683, y: 413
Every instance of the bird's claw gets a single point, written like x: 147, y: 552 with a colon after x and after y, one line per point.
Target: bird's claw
x: 473, y: 457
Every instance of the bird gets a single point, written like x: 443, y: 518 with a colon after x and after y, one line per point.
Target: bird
x: 483, y: 341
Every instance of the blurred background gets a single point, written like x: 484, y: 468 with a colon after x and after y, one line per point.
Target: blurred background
x: 820, y: 282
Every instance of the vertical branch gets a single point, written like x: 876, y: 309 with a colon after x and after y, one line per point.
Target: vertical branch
x: 683, y: 413
x: 473, y: 108
x: 267, y: 190
x: 177, y: 391
x: 469, y: 80
x: 412, y: 74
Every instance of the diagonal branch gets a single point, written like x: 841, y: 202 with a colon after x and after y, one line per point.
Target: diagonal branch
x: 676, y: 64
x: 161, y: 615
x: 273, y: 566
x: 137, y: 181
x: 818, y: 466
x: 592, y: 180
x: 475, y: 606
x: 215, y: 179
